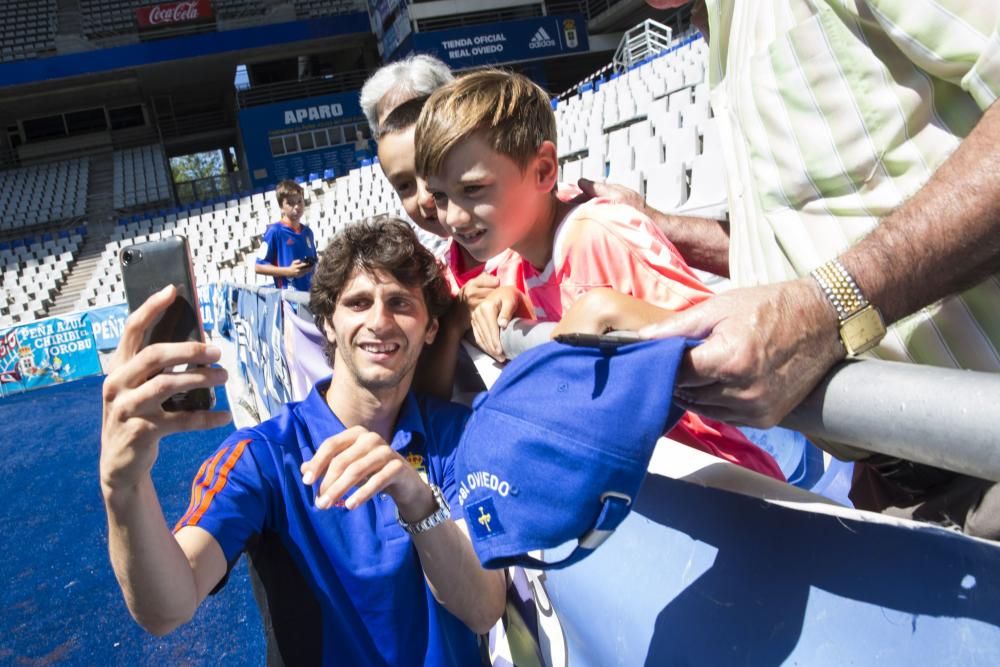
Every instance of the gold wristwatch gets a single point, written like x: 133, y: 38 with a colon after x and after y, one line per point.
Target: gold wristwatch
x: 861, y: 324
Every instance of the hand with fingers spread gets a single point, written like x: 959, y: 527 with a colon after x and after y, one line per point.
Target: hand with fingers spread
x: 138, y: 383
x: 493, y: 315
x: 765, y: 348
x: 362, y: 460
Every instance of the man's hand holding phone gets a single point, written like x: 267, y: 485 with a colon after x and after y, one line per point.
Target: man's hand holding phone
x: 139, y: 382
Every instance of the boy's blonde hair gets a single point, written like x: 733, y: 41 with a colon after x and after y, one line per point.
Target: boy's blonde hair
x: 513, y: 114
x: 286, y: 188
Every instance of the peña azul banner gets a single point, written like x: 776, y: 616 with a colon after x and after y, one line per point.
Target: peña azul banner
x: 47, y: 352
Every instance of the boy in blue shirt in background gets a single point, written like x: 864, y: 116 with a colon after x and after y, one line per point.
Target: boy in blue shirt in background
x: 288, y: 250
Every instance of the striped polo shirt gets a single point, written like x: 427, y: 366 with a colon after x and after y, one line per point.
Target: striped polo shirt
x: 832, y: 114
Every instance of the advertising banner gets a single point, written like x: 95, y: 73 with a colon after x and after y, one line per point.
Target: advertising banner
x: 299, y: 137
x: 304, y: 356
x: 107, y: 324
x: 173, y: 13
x: 258, y: 334
x: 511, y: 41
x: 47, y: 352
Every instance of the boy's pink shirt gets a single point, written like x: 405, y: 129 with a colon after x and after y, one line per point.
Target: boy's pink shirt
x: 602, y: 244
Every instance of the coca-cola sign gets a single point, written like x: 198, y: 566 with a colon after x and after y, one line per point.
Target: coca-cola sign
x: 172, y: 13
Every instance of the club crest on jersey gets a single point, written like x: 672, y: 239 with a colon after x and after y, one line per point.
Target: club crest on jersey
x: 416, y: 462
x: 290, y: 242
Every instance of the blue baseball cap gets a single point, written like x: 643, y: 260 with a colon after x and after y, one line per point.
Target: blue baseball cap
x: 557, y: 449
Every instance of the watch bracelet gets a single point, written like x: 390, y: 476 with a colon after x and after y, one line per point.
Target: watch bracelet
x: 839, y: 288
x: 438, y: 516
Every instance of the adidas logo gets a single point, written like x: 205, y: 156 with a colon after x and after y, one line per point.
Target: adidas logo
x: 541, y: 40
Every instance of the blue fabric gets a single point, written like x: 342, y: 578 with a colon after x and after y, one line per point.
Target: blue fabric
x: 562, y: 427
x: 281, y: 246
x: 361, y: 565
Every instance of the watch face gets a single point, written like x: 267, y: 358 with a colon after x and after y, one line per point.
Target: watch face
x: 862, y: 331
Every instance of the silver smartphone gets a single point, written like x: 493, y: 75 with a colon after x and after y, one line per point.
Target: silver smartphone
x: 146, y: 269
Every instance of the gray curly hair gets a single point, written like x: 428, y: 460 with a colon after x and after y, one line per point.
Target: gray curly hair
x: 395, y: 83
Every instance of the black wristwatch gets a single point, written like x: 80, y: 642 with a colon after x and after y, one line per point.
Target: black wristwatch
x: 442, y: 514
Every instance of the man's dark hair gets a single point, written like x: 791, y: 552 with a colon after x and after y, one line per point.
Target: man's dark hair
x: 403, y: 117
x: 382, y: 243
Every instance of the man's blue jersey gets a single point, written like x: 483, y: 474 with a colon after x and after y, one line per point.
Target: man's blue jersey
x: 338, y: 586
x: 281, y: 246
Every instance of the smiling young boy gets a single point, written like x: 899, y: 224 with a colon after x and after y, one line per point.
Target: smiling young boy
x: 485, y: 144
x: 396, y: 155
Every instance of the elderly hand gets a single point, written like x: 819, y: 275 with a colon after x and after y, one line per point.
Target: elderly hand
x: 618, y: 194
x: 765, y: 348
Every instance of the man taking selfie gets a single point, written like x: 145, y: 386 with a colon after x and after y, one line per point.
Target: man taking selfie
x: 341, y: 501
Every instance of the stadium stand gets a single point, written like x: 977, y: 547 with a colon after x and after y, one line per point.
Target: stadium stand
x: 44, y: 193
x: 650, y: 125
x: 27, y: 28
x: 314, y: 8
x: 33, y: 270
x: 141, y: 177
x: 107, y: 17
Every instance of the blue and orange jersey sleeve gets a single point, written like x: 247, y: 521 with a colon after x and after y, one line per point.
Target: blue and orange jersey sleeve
x: 268, y: 252
x: 228, y: 497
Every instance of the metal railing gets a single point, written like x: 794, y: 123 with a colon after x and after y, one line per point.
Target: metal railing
x: 294, y: 90
x: 640, y: 42
x: 936, y: 416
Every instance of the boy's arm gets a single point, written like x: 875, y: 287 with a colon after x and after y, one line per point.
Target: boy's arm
x: 436, y: 371
x: 495, y: 313
x: 294, y: 270
x: 603, y: 309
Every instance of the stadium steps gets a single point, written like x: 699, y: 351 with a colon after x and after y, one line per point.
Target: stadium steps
x: 69, y: 25
x: 100, y: 190
x: 80, y: 271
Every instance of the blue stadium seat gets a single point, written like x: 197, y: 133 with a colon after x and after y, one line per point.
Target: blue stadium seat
x: 313, y: 176
x: 17, y: 243
x: 300, y: 180
x: 81, y: 230
x: 46, y: 237
x: 329, y: 174
x: 4, y: 245
x: 64, y: 234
